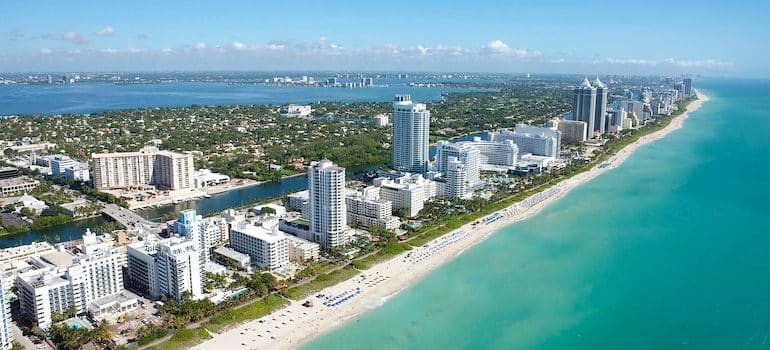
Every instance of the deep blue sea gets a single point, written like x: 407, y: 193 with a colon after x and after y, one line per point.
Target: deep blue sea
x: 669, y: 251
x: 95, y: 97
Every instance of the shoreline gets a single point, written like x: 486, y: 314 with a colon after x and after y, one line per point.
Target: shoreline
x: 295, y: 325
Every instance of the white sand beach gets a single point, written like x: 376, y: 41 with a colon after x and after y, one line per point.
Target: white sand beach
x: 294, y: 325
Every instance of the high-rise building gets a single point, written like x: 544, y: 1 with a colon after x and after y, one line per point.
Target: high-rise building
x: 494, y: 155
x: 66, y: 281
x: 457, y: 182
x: 326, y: 204
x: 365, y: 208
x: 687, y: 87
x: 584, y: 106
x: 600, y: 116
x: 407, y: 193
x: 268, y: 248
x: 411, y: 125
x: 149, y: 166
x: 460, y: 163
x: 6, y: 339
x: 574, y: 131
x: 169, y: 267
x: 530, y: 139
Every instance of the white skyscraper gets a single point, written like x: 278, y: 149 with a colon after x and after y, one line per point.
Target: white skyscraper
x: 411, y: 125
x: 460, y: 163
x: 179, y: 269
x: 6, y: 340
x: 494, y: 155
x: 326, y: 205
x: 167, y: 267
x: 149, y: 166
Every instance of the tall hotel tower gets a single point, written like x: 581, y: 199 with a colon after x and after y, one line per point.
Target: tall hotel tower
x: 584, y: 106
x: 411, y: 124
x: 328, y: 222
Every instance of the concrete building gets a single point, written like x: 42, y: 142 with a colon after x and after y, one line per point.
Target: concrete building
x: 64, y: 281
x: 460, y: 164
x: 6, y: 339
x: 266, y: 246
x: 407, y: 193
x: 494, y: 155
x: 300, y: 111
x: 600, y: 116
x: 298, y: 201
x: 78, y: 172
x: 687, y: 87
x: 326, y: 204
x: 411, y: 124
x: 167, y: 267
x: 573, y: 131
x: 530, y: 139
x: 149, y: 166
x: 380, y: 120
x: 366, y: 209
x: 207, y: 178
x: 584, y: 106
x: 301, y: 250
x: 17, y: 185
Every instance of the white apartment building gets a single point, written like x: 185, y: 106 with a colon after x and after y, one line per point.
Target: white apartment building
x: 460, y: 163
x: 56, y: 287
x: 301, y: 250
x: 411, y: 125
x: 407, y: 193
x: 326, y: 204
x: 149, y: 166
x: 6, y: 339
x: 530, y: 139
x: 298, y: 110
x: 366, y: 209
x: 268, y: 248
x: 457, y: 179
x: 168, y: 267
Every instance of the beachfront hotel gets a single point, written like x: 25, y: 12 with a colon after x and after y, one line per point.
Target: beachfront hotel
x: 407, y: 193
x: 365, y: 208
x: 544, y: 142
x: 63, y: 281
x: 149, y: 166
x: 168, y: 267
x: 411, y: 124
x: 267, y: 247
x: 326, y: 204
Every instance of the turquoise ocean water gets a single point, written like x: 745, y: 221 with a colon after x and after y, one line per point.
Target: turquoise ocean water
x: 669, y: 251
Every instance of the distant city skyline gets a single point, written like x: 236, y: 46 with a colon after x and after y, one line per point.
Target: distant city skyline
x: 526, y: 36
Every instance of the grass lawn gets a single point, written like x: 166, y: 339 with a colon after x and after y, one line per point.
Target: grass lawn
x: 233, y: 317
x: 184, y: 339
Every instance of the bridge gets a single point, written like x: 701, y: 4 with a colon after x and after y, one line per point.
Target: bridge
x: 128, y: 218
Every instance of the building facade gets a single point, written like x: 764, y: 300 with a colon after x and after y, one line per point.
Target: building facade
x: 411, y: 125
x: 149, y: 166
x: 573, y: 131
x: 326, y: 204
x: 584, y: 106
x: 267, y: 248
x: 530, y: 139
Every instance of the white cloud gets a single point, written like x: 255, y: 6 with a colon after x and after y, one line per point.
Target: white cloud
x: 73, y: 37
x: 200, y: 46
x: 238, y: 46
x: 106, y: 31
x: 708, y: 63
x: 498, y: 47
x: 45, y: 51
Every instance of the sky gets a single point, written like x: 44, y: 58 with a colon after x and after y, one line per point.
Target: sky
x: 714, y: 38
